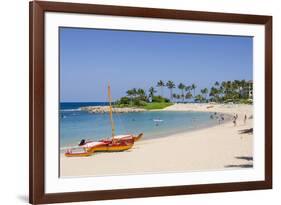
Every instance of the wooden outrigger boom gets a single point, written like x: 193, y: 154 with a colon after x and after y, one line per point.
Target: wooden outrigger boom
x: 110, y: 112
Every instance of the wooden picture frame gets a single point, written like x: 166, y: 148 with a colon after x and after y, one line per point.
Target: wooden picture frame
x: 38, y: 9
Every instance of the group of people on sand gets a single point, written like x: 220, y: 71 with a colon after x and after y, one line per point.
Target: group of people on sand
x: 235, y: 117
x: 220, y: 118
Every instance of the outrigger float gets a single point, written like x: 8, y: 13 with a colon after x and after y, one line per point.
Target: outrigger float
x: 116, y: 143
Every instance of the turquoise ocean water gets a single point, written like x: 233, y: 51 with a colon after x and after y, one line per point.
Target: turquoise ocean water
x: 76, y: 125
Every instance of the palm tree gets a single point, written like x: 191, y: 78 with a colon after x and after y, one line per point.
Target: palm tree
x: 188, y: 95
x: 181, y: 86
x: 174, y: 96
x: 214, y: 93
x: 235, y: 85
x: 151, y: 92
x: 224, y: 87
x: 199, y: 98
x: 141, y: 94
x: 193, y: 87
x: 220, y: 92
x: 178, y: 96
x: 161, y: 84
x: 130, y: 94
x: 205, y: 92
x: 228, y: 90
x: 187, y: 90
x: 135, y: 92
x: 170, y: 84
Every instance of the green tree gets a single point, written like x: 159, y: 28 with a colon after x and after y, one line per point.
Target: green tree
x: 181, y: 86
x: 193, y: 87
x: 161, y: 84
x: 151, y: 92
x: 174, y: 96
x: 130, y: 94
x: 223, y: 89
x: 124, y: 101
x: 188, y: 96
x: 141, y: 94
x: 135, y: 92
x: 214, y: 94
x: 170, y: 85
x: 187, y: 88
x: 178, y: 97
x: 205, y: 92
x: 220, y: 93
x: 199, y: 98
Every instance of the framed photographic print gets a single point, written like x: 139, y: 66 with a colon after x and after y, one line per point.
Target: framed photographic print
x: 138, y: 102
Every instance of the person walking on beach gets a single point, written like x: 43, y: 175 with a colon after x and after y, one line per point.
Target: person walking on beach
x: 245, y: 119
x: 234, y: 120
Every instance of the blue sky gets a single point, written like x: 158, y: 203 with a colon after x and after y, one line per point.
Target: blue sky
x: 91, y: 58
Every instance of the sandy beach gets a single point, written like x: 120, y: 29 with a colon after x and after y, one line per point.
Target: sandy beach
x: 213, y: 148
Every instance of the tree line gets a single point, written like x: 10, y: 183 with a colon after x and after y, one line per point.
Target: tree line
x: 239, y: 91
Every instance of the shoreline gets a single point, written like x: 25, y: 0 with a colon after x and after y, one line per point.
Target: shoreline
x: 162, y: 136
x: 212, y: 148
x: 214, y: 123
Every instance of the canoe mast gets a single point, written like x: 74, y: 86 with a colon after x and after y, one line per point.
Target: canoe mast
x: 110, y: 112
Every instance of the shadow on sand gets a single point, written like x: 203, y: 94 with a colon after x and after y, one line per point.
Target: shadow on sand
x: 245, y: 158
x: 247, y: 165
x: 246, y: 131
x: 239, y: 166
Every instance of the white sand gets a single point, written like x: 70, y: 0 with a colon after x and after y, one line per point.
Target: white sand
x: 213, y: 148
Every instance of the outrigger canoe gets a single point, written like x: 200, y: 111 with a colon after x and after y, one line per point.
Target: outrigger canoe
x: 124, y: 138
x: 116, y: 143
